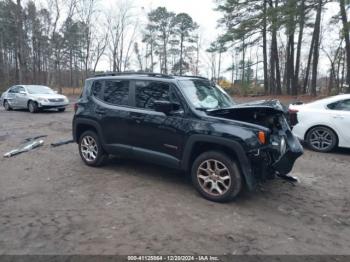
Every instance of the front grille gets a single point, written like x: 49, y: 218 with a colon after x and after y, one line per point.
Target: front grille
x: 56, y: 100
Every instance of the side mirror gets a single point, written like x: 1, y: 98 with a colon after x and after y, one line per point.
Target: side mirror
x: 22, y: 93
x: 165, y: 106
x: 56, y: 92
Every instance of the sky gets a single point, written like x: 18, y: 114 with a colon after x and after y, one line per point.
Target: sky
x: 203, y: 13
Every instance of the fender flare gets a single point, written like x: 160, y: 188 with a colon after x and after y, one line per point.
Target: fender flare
x: 243, y: 161
x: 89, y: 122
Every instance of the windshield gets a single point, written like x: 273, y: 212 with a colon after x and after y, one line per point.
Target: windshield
x: 205, y: 95
x: 39, y: 90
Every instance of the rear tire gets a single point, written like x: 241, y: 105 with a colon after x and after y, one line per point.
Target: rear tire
x: 216, y: 176
x: 33, y: 107
x: 90, y: 149
x: 321, y: 139
x: 7, y: 106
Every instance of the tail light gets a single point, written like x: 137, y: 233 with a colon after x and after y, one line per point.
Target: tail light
x: 293, y: 118
x: 293, y: 111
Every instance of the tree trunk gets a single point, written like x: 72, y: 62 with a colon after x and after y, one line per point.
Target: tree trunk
x: 152, y: 61
x: 181, y: 52
x: 243, y: 63
x: 300, y: 40
x: 71, y: 67
x: 264, y: 33
x: 20, y: 40
x: 165, y: 59
x: 331, y: 79
x: 347, y: 41
x: 316, y: 50
x: 275, y: 77
x: 342, y: 76
x: 219, y: 67
x: 197, y: 56
x: 307, y: 72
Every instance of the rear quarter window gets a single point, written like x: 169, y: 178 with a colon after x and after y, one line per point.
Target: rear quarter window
x: 114, y: 92
x: 96, y: 89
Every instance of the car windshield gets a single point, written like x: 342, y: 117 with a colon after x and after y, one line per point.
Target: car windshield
x: 205, y: 95
x: 39, y: 90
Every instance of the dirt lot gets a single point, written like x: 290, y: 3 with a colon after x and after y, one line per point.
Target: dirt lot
x: 51, y: 203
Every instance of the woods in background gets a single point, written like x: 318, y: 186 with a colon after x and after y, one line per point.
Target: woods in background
x: 279, y: 27
x: 276, y: 44
x: 62, y: 45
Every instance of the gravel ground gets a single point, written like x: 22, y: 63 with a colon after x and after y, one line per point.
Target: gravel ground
x: 51, y: 203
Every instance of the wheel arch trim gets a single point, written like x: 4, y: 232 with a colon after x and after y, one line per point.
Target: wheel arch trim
x: 86, y: 122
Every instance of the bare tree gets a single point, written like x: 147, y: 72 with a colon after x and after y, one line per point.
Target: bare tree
x: 122, y: 33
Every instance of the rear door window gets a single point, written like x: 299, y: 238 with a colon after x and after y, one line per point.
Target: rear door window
x: 146, y: 92
x: 21, y: 89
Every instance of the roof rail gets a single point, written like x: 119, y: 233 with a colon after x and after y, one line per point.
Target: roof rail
x: 134, y: 73
x: 189, y: 76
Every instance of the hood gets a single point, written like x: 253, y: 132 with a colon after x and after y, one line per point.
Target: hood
x: 268, y: 106
x: 264, y: 113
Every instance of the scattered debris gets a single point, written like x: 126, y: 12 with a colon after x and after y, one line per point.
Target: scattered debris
x: 34, y: 138
x: 63, y: 142
x: 25, y: 148
x: 288, y: 178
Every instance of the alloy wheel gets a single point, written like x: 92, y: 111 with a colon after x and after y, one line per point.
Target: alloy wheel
x: 31, y: 107
x: 89, y: 149
x: 321, y: 139
x: 214, y: 177
x: 7, y: 106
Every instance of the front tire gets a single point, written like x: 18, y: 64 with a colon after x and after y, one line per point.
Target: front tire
x: 90, y: 149
x: 33, y: 107
x: 62, y: 109
x: 7, y: 106
x: 321, y: 139
x: 216, y: 176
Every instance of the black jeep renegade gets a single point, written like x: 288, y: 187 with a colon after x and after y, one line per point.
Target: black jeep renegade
x: 187, y: 123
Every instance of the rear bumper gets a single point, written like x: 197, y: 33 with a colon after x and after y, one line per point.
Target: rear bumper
x: 299, y: 131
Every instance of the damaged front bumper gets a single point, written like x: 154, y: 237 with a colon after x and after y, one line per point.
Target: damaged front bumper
x: 293, y: 150
x: 285, y: 164
x: 276, y: 159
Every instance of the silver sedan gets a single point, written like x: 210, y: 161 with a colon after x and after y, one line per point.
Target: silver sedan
x: 33, y: 98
